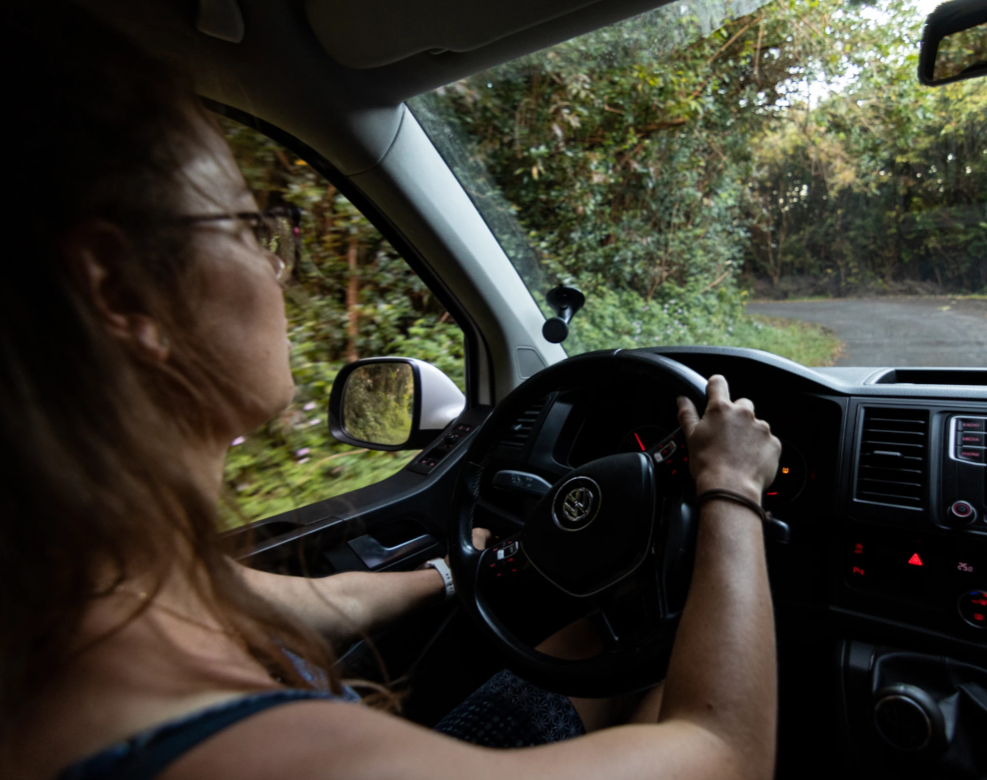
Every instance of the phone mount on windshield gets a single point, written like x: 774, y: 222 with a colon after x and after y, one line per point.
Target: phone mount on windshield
x: 565, y: 302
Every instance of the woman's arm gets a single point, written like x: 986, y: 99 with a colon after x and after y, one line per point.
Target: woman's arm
x: 348, y: 605
x: 722, y: 674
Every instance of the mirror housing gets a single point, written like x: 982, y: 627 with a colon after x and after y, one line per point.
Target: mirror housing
x: 954, y: 43
x: 429, y: 399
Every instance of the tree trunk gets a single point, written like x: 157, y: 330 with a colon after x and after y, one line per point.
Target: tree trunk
x: 353, y: 298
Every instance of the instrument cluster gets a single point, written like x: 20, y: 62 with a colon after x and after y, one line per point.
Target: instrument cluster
x: 601, y: 424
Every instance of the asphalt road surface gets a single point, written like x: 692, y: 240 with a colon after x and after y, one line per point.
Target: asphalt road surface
x: 896, y: 332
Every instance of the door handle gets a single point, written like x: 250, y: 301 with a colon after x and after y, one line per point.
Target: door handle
x: 374, y: 554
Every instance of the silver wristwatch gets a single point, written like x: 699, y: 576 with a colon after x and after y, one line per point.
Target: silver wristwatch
x: 442, y: 568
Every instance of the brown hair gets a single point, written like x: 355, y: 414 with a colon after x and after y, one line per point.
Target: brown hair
x: 86, y: 478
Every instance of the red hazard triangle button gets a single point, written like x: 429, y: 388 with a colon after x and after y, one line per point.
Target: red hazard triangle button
x: 915, y: 560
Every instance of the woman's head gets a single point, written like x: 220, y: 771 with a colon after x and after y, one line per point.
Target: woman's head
x: 113, y: 153
x: 131, y: 333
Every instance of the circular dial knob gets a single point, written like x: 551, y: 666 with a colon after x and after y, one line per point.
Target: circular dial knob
x: 973, y: 608
x: 962, y: 513
x: 908, y: 718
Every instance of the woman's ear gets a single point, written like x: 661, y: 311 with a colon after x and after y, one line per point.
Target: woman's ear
x: 98, y: 252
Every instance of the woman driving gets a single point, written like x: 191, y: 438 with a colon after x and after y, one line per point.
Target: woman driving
x: 143, y: 331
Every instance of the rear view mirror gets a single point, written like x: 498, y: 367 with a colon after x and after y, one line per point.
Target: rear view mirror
x: 954, y: 43
x: 392, y: 403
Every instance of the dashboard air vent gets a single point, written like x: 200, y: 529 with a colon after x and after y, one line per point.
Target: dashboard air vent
x: 521, y: 430
x: 893, y: 468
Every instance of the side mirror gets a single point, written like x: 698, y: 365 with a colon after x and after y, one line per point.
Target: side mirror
x: 954, y: 43
x: 392, y: 403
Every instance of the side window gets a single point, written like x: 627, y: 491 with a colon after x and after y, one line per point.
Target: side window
x: 353, y: 296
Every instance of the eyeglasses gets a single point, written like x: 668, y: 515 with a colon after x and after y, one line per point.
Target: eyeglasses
x: 277, y: 230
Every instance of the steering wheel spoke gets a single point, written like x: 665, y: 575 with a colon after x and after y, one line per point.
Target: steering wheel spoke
x: 635, y: 610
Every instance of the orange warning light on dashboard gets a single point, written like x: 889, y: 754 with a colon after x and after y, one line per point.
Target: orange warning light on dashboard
x: 915, y: 560
x: 785, y: 469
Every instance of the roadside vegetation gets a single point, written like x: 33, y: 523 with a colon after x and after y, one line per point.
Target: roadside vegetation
x: 671, y: 167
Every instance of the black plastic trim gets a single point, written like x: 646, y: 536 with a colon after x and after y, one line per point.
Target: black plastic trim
x: 708, y: 360
x: 949, y: 18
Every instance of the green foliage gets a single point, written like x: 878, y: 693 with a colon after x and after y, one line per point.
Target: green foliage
x: 662, y: 155
x: 378, y: 403
x: 625, y: 158
x: 353, y: 296
x: 688, y: 318
x: 880, y: 183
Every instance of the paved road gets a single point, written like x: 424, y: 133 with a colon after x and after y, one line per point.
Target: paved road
x: 896, y: 331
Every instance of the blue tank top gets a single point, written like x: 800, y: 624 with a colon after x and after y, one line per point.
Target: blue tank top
x: 146, y: 754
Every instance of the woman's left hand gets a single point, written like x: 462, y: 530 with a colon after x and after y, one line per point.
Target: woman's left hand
x: 481, y: 538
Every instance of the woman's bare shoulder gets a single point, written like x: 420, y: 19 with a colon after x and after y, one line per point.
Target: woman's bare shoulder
x: 315, y: 738
x: 329, y: 740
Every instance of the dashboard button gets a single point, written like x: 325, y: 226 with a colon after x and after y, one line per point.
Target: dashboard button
x: 964, y: 424
x: 962, y: 513
x: 973, y: 608
x: 970, y: 454
x: 858, y: 571
x: 908, y: 718
x: 969, y: 439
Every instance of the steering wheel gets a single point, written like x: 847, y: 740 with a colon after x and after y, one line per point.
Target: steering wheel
x: 617, y: 530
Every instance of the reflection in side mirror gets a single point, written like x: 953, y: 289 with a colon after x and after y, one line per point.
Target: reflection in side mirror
x: 954, y: 43
x: 378, y: 403
x: 392, y: 403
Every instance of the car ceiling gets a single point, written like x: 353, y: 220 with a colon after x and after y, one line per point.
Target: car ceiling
x: 335, y: 73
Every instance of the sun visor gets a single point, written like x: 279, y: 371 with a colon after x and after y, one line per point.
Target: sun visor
x: 374, y: 33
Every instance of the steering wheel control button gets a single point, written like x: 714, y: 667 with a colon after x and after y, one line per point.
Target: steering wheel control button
x: 908, y: 718
x: 521, y: 482
x: 962, y: 513
x: 503, y: 561
x: 973, y: 608
x: 576, y: 504
x: 665, y: 452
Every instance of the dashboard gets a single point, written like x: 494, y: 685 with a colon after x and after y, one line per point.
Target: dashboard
x: 882, y: 484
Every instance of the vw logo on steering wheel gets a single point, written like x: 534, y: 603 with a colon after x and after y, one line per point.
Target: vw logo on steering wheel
x: 576, y: 504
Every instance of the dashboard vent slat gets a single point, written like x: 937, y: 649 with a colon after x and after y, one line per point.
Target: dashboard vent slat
x: 892, y: 464
x: 518, y: 434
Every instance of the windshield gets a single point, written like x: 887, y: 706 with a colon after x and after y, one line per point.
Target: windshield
x: 766, y: 175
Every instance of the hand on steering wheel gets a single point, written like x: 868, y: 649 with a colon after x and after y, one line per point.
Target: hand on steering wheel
x: 729, y: 447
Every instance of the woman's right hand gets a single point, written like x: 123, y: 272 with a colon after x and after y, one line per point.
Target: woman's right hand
x: 729, y: 448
